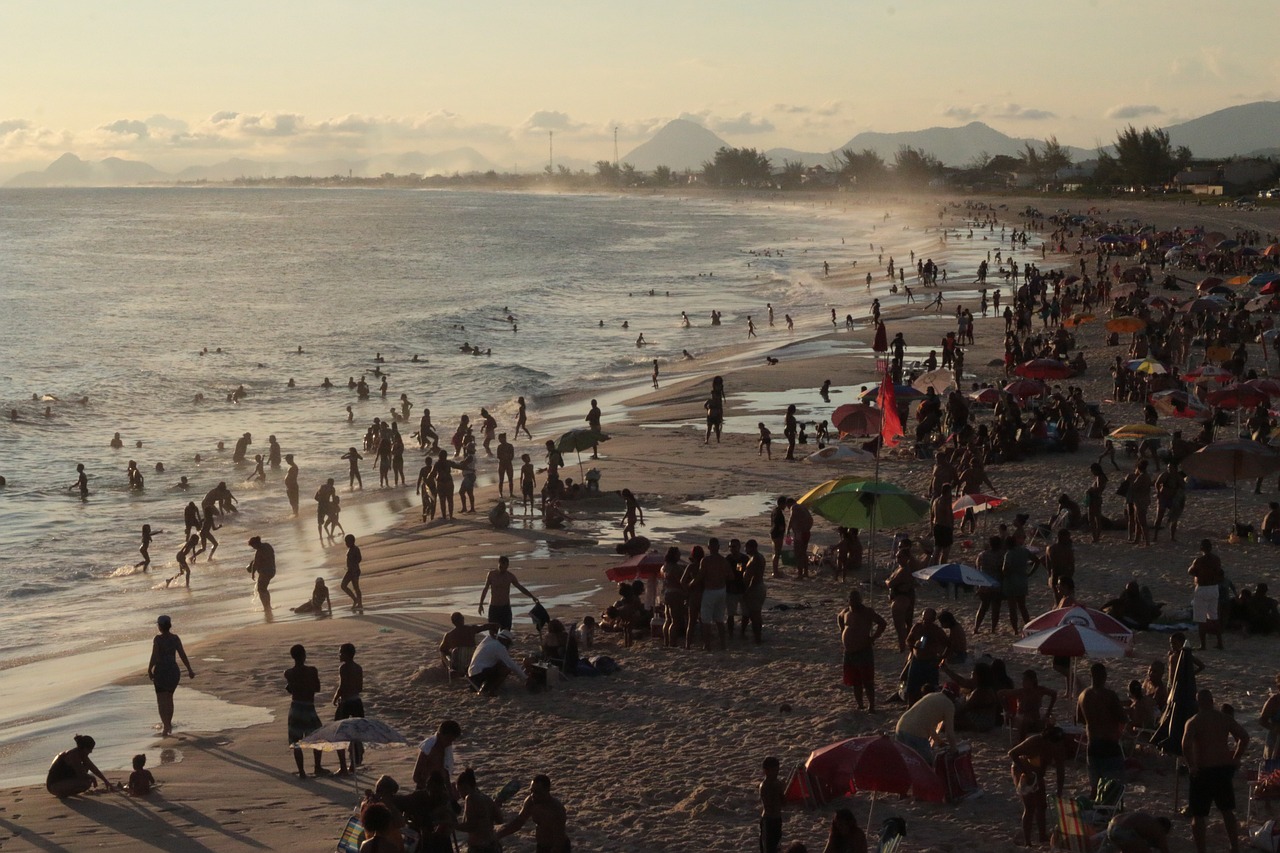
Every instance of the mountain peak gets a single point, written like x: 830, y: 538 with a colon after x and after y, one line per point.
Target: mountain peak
x: 680, y: 144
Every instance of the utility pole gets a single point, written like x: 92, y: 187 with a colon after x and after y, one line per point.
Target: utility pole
x: 617, y: 167
x: 551, y: 152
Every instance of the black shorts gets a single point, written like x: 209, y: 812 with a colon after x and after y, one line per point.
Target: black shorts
x: 943, y: 536
x: 1212, y: 786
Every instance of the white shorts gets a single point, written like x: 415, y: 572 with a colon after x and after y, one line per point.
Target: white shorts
x: 1204, y: 604
x: 714, y: 605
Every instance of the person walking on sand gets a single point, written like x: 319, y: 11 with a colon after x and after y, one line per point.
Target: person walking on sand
x: 860, y: 627
x: 262, y: 568
x: 506, y: 464
x: 499, y: 582
x: 1206, y: 572
x: 548, y: 815
x: 302, y: 682
x: 522, y: 420
x: 348, y: 704
x: 772, y: 795
x: 1212, y: 764
x: 163, y: 670
x: 634, y: 514
x: 593, y: 421
x: 351, y: 580
x: 291, y: 482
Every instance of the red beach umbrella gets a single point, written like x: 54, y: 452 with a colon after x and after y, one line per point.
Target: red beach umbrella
x: 985, y: 396
x: 640, y: 567
x: 1270, y: 387
x: 1026, y: 388
x: 976, y: 501
x: 857, y: 419
x: 881, y: 343
x: 1072, y: 640
x: 877, y: 764
x: 1080, y: 615
x: 1236, y: 396
x: 1208, y: 373
x: 1043, y: 368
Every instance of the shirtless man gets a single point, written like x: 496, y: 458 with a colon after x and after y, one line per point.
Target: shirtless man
x: 1031, y: 759
x: 1206, y: 571
x: 548, y: 816
x: 944, y: 524
x: 593, y: 421
x: 347, y: 701
x: 715, y: 576
x: 1028, y: 700
x: 860, y: 627
x: 927, y: 643
x: 262, y: 568
x: 302, y: 683
x: 800, y: 526
x: 479, y: 815
x: 1212, y: 764
x: 1060, y: 559
x: 82, y: 479
x: 1100, y: 710
x: 506, y: 464
x: 459, y: 636
x: 291, y: 482
x: 324, y: 496
x: 500, y: 581
x: 1139, y: 832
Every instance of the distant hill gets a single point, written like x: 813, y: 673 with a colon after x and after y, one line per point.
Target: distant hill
x: 680, y: 145
x: 954, y: 146
x: 1237, y: 130
x: 70, y: 171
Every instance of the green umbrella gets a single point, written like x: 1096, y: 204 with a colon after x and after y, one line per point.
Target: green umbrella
x: 868, y: 504
x: 579, y: 439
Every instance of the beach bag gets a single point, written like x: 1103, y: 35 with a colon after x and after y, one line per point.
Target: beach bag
x: 1123, y: 489
x: 540, y: 617
x: 605, y: 665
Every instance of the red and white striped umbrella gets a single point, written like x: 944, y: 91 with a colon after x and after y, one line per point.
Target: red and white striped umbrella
x: 977, y: 501
x: 1072, y: 640
x: 1078, y: 614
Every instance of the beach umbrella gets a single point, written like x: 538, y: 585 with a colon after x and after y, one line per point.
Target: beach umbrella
x: 1137, y: 431
x: 1204, y: 305
x: 1180, y: 707
x: 579, y: 439
x: 955, y: 573
x: 877, y: 764
x: 1208, y: 373
x: 1263, y: 278
x: 645, y: 567
x: 1270, y: 387
x: 881, y: 342
x: 1265, y: 302
x: 1022, y: 389
x: 1148, y: 366
x: 1235, y: 281
x: 840, y: 454
x: 1208, y: 284
x: 1224, y: 245
x: 1177, y: 404
x: 1078, y: 614
x: 1079, y: 320
x: 340, y: 734
x: 977, y: 502
x: 1232, y: 461
x: 903, y: 392
x: 1071, y: 640
x: 940, y: 380
x: 857, y: 419
x: 866, y: 504
x: 1270, y: 288
x: 1236, y: 396
x: 985, y: 396
x: 1043, y: 368
x: 1271, y: 251
x: 1126, y: 325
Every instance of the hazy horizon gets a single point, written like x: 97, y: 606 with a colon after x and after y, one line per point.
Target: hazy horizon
x: 174, y: 86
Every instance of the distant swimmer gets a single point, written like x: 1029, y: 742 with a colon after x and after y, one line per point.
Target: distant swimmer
x: 825, y: 391
x: 626, y: 325
x: 242, y: 447
x: 183, y: 484
x: 351, y: 416
x: 116, y: 442
x: 273, y: 452
x: 684, y: 320
x: 299, y: 349
x: 198, y: 399
x: 291, y: 383
x: 415, y: 357
x: 82, y: 481
x: 377, y: 357
x: 640, y: 341
x: 159, y: 467
x: 686, y: 355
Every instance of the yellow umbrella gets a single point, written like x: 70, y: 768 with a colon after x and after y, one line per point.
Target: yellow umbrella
x: 1150, y: 365
x: 1138, y: 431
x: 828, y: 487
x: 1218, y: 355
x: 1126, y: 324
x: 1078, y: 320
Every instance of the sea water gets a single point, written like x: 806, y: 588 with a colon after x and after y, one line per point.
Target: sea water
x: 125, y: 296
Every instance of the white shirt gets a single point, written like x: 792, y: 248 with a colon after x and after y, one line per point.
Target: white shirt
x: 492, y: 651
x: 448, y: 754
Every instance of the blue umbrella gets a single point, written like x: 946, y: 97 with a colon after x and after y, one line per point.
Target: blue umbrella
x: 955, y: 573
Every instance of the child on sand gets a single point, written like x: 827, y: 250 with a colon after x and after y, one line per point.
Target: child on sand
x: 319, y: 600
x: 766, y: 438
x: 771, y: 796
x: 140, y: 780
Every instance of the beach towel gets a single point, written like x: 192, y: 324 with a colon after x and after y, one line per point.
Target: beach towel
x: 1204, y: 604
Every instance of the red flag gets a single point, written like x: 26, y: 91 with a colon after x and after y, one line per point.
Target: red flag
x: 890, y: 422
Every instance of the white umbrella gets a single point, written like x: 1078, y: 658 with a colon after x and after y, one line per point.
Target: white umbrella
x: 955, y: 573
x: 340, y: 734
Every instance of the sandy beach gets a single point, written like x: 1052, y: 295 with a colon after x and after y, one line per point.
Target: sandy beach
x: 665, y: 754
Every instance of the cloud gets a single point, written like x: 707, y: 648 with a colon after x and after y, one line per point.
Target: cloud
x: 827, y: 110
x: 1006, y: 112
x: 128, y: 127
x: 1128, y: 111
x: 550, y: 120
x: 14, y: 124
x: 742, y: 123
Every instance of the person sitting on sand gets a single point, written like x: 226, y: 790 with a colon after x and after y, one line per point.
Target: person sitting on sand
x: 460, y: 636
x: 140, y: 780
x: 1027, y: 699
x: 72, y: 772
x: 492, y: 661
x: 319, y: 601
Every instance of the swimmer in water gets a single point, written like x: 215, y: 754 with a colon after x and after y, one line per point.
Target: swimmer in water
x: 351, y: 416
x: 159, y: 467
x: 144, y: 548
x: 183, y: 484
x: 188, y: 549
x: 326, y: 384
x: 688, y: 356
x: 82, y: 479
x: 116, y: 442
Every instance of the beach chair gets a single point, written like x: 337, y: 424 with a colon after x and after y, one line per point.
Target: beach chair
x: 459, y: 660
x: 1071, y: 832
x: 1108, y: 801
x: 352, y: 836
x: 1264, y: 787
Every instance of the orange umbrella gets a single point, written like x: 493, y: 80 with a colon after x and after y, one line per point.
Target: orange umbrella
x: 1126, y: 324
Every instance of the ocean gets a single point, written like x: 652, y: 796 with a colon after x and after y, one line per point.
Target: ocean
x: 126, y: 296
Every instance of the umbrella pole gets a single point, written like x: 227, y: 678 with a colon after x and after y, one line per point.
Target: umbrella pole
x: 871, y: 810
x: 580, y: 472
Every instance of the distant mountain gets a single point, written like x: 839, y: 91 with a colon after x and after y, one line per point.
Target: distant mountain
x: 680, y: 145
x: 1237, y: 130
x: 779, y: 156
x: 954, y: 146
x: 70, y: 171
x: 460, y: 160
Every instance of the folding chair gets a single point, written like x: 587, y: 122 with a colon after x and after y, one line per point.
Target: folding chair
x: 459, y: 660
x: 1264, y: 787
x: 1108, y: 800
x: 1071, y: 833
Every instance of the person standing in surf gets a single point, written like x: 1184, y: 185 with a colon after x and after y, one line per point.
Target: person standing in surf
x: 163, y: 670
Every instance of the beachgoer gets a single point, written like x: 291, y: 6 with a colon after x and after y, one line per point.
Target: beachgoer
x: 593, y: 421
x: 460, y: 636
x: 348, y: 704
x: 753, y: 598
x: 302, y: 682
x: 1139, y: 832
x: 506, y: 464
x: 144, y: 548
x: 548, y: 815
x: 82, y: 479
x: 492, y: 661
x: 500, y: 581
x: 480, y: 815
x: 1031, y: 760
x: 1211, y: 763
x: 351, y: 580
x: 319, y: 602
x: 353, y: 458
x: 714, y: 573
x: 919, y: 723
x: 800, y: 526
x: 72, y: 772
x: 291, y: 482
x: 1102, y: 713
x: 778, y: 533
x: 262, y: 568
x: 435, y: 754
x: 141, y: 782
x: 634, y: 514
x: 772, y: 793
x: 1206, y: 572
x: 188, y: 549
x: 163, y: 670
x: 522, y: 420
x: 860, y: 627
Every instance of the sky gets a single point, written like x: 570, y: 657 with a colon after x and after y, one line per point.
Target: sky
x: 178, y: 82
